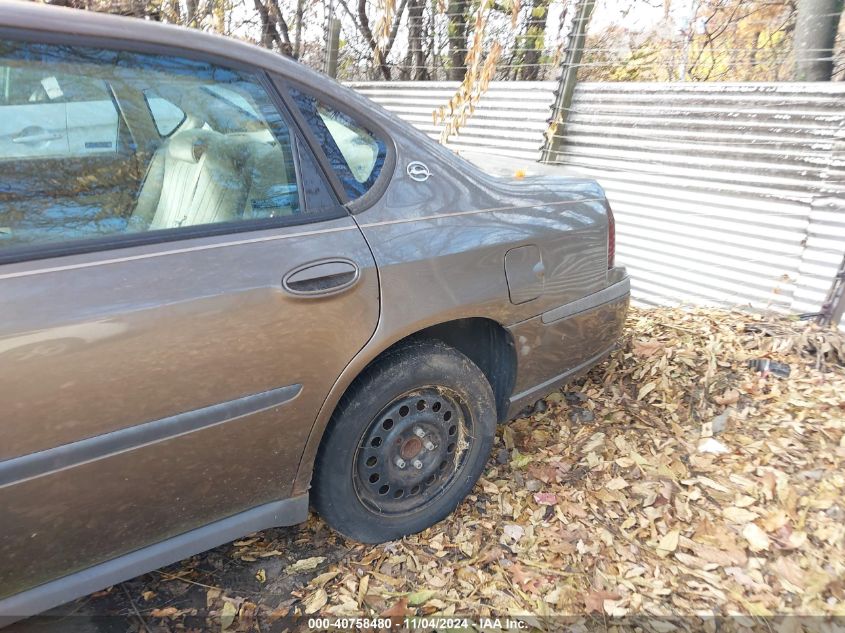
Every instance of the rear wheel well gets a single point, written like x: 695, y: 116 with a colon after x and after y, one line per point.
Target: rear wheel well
x: 484, y: 342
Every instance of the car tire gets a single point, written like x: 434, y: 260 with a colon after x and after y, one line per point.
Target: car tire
x: 406, y: 445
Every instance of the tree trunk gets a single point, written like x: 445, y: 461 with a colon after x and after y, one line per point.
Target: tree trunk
x: 218, y: 12
x: 416, y: 54
x: 191, y: 7
x: 297, y: 38
x: 379, y: 56
x: 458, y: 31
x: 815, y: 33
x: 534, y: 41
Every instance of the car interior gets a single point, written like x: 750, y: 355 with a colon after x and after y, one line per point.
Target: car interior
x: 188, y: 152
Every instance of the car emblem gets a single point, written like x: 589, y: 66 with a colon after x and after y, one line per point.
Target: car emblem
x: 418, y: 171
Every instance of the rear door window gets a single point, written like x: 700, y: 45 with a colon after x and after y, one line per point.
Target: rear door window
x: 111, y: 144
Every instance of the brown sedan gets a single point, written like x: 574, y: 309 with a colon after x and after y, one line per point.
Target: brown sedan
x: 230, y: 287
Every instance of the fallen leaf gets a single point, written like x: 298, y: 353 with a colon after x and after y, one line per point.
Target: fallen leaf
x: 706, y: 481
x: 518, y: 460
x: 322, y: 579
x: 758, y: 540
x: 420, y: 597
x: 669, y: 542
x: 305, y: 564
x: 513, y: 531
x: 645, y: 390
x: 712, y: 445
x: 789, y: 571
x: 227, y: 615
x: 594, y: 600
x: 731, y: 396
x: 315, y: 601
x: 738, y: 515
x: 617, y: 483
x: 545, y: 498
x: 647, y: 348
x: 398, y: 610
x: 363, y: 585
x: 166, y: 612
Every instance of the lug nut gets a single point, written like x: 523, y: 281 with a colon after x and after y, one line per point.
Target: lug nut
x: 417, y: 464
x: 400, y: 462
x: 419, y: 432
x: 428, y: 445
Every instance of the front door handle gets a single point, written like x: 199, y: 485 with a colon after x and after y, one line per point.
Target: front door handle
x: 321, y: 278
x: 33, y: 135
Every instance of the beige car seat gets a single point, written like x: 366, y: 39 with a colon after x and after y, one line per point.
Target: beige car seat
x: 271, y: 184
x: 194, y: 178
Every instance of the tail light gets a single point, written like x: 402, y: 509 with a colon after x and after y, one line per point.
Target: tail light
x: 611, y: 237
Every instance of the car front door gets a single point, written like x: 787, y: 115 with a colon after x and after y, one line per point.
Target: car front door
x: 167, y: 335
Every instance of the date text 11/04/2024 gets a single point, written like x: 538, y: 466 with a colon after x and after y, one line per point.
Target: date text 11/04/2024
x: 414, y: 623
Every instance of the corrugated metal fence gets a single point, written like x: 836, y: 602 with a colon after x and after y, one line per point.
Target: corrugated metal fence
x: 510, y: 118
x: 726, y: 194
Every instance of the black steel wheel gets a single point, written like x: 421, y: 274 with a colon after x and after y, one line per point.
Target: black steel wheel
x: 412, y: 451
x: 407, y: 444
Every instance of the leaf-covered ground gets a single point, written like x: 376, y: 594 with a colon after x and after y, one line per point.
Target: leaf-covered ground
x: 674, y: 479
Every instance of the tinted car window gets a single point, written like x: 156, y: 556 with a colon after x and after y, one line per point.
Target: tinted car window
x: 356, y: 154
x: 229, y: 156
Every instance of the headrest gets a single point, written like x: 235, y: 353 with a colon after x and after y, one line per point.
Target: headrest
x: 189, y: 145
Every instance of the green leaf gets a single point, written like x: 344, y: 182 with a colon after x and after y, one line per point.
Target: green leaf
x: 420, y: 597
x: 227, y: 615
x: 519, y: 460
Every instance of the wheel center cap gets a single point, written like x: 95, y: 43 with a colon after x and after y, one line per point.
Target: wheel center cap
x: 411, y: 448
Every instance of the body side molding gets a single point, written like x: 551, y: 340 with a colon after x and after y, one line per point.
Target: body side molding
x: 18, y: 469
x: 611, y: 293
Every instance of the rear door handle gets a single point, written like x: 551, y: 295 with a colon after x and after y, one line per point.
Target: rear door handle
x: 321, y: 278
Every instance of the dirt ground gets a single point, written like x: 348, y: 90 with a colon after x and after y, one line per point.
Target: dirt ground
x: 679, y: 478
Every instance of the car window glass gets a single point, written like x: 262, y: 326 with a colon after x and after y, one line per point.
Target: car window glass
x: 355, y: 154
x: 167, y: 116
x: 81, y: 158
x: 233, y: 98
x: 45, y: 113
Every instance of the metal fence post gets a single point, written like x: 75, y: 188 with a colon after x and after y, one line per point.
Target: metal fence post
x: 568, y: 78
x: 332, y: 43
x: 834, y: 181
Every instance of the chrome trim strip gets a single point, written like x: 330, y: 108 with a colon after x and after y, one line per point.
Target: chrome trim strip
x: 18, y: 469
x: 175, y: 251
x: 32, y: 601
x: 438, y: 216
x: 611, y: 293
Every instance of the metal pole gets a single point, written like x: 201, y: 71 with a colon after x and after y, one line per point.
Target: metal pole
x: 568, y: 78
x: 834, y: 179
x: 332, y: 47
x: 835, y: 305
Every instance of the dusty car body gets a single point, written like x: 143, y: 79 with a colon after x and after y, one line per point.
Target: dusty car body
x: 167, y: 388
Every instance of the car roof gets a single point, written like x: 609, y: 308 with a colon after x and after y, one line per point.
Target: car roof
x: 34, y: 16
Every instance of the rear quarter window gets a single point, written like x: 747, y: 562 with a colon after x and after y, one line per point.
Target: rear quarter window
x: 355, y: 153
x: 166, y: 115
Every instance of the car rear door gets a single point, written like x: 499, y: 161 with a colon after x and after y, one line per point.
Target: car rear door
x: 154, y: 381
